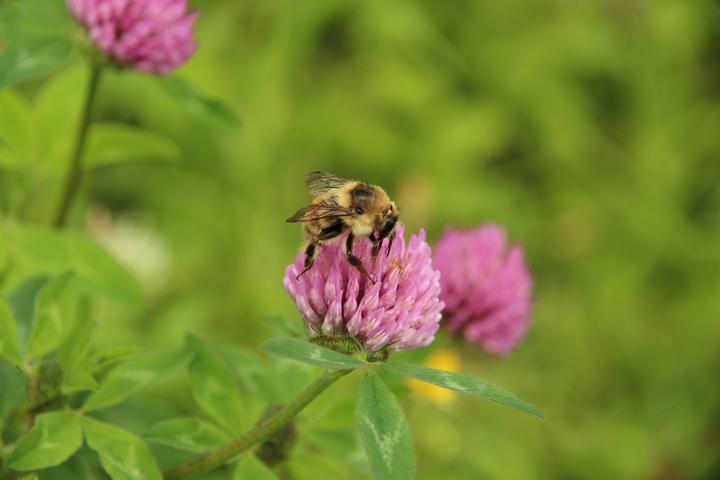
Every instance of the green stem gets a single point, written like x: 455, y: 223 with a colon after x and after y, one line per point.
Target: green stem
x: 259, y: 433
x: 74, y: 176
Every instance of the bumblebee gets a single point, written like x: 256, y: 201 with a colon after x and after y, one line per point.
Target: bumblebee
x: 341, y: 205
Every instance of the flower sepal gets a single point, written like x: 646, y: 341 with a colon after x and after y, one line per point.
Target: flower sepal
x: 340, y: 343
x: 350, y: 346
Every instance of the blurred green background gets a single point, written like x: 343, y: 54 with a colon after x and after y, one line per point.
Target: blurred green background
x: 589, y: 129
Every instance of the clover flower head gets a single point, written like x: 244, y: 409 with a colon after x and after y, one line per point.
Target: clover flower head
x: 149, y: 35
x: 401, y: 311
x: 486, y: 287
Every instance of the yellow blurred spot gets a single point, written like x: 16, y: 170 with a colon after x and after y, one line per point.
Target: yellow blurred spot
x: 443, y: 359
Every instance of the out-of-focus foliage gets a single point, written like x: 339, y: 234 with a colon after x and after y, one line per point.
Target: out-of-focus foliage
x: 587, y: 128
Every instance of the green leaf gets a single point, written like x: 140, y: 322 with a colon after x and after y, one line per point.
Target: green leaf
x: 22, y: 303
x: 12, y: 389
x: 108, y: 356
x: 78, y: 382
x: 40, y: 248
x: 341, y: 444
x: 74, y: 350
x: 80, y: 366
x: 215, y: 388
x: 74, y: 356
x: 49, y: 251
x: 115, y: 143
x: 55, y: 309
x: 463, y: 383
x: 58, y: 108
x: 16, y: 128
x: 264, y: 384
x: 384, y: 431
x: 260, y: 380
x: 122, y: 455
x: 93, y: 263
x: 32, y: 476
x: 73, y: 353
x: 293, y: 329
x: 53, y: 439
x: 212, y: 111
x: 190, y: 434
x: 130, y: 377
x: 240, y: 358
x: 38, y: 36
x: 34, y: 57
x: 304, y: 351
x: 9, y: 347
x: 249, y: 467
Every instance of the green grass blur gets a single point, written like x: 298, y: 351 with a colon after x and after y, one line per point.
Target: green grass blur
x: 589, y: 129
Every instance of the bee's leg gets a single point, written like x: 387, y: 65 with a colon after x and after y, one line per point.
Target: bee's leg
x: 375, y: 244
x: 391, y: 237
x: 309, y: 258
x: 332, y: 230
x: 355, y: 261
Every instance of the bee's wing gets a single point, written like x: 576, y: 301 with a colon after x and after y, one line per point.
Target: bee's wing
x: 317, y: 211
x: 321, y: 182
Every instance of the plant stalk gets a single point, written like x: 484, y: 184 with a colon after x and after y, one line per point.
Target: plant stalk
x: 74, y: 176
x: 259, y: 433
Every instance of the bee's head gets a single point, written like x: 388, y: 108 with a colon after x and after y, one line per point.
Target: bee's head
x: 373, y: 211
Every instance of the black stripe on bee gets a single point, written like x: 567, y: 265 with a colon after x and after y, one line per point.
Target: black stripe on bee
x: 362, y: 192
x: 361, y: 197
